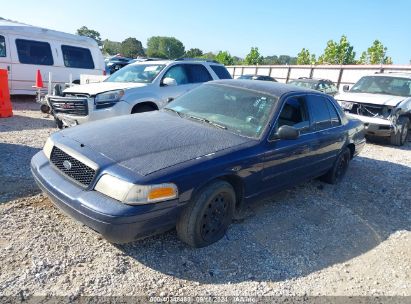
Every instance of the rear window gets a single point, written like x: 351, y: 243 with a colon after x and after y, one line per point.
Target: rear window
x: 76, y: 57
x: 221, y: 71
x: 2, y: 46
x: 34, y: 52
x: 197, y: 73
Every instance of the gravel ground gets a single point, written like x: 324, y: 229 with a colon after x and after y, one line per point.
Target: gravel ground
x: 314, y: 239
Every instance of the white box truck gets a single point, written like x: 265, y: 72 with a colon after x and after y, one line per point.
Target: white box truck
x: 24, y: 49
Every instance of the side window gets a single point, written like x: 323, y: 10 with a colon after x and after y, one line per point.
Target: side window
x: 76, y: 57
x: 221, y: 71
x: 2, y: 46
x: 294, y: 113
x: 335, y: 119
x: 197, y: 73
x: 178, y: 73
x: 34, y: 52
x: 319, y: 112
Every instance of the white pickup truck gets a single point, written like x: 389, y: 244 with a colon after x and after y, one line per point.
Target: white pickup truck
x: 138, y: 87
x: 383, y: 103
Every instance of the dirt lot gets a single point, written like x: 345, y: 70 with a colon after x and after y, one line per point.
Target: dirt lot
x: 315, y: 239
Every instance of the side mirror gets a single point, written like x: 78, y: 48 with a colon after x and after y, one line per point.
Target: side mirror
x: 346, y: 88
x: 169, y: 82
x: 287, y: 132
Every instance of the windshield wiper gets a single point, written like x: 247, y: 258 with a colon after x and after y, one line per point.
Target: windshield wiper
x: 208, y: 122
x: 174, y: 111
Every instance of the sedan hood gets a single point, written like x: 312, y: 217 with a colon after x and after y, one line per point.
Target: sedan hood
x: 100, y: 87
x: 378, y: 99
x: 148, y: 142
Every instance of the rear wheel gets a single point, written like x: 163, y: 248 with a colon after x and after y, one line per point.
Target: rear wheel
x: 399, y: 138
x: 337, y: 172
x: 206, y: 218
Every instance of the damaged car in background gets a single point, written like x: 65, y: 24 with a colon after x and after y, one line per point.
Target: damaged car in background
x: 383, y: 103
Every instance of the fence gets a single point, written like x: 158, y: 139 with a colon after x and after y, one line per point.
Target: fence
x: 339, y: 74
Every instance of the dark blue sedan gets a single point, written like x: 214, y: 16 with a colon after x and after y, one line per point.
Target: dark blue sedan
x: 198, y: 161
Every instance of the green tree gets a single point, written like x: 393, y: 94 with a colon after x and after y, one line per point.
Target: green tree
x: 375, y: 54
x: 209, y: 56
x: 165, y: 47
x: 254, y: 57
x: 224, y: 58
x: 193, y: 53
x: 111, y: 47
x: 341, y: 52
x: 271, y: 60
x: 131, y: 47
x: 305, y: 57
x: 85, y: 31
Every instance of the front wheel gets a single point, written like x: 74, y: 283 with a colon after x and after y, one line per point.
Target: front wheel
x: 399, y: 138
x: 337, y: 172
x: 206, y: 218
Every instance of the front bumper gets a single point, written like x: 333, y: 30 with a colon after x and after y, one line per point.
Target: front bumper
x: 375, y: 126
x: 120, y: 108
x: 115, y: 221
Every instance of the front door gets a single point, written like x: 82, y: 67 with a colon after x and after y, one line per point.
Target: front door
x: 288, y: 162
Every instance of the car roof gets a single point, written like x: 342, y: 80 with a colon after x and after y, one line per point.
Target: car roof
x: 168, y: 61
x: 310, y: 80
x: 266, y: 87
x: 401, y: 75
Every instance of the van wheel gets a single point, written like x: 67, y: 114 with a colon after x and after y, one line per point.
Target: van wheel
x: 142, y: 108
x: 399, y: 138
x: 337, y: 172
x: 206, y: 218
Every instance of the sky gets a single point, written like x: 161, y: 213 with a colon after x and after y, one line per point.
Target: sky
x: 275, y: 27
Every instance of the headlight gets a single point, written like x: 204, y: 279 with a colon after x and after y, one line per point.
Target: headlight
x: 109, y: 97
x: 48, y: 147
x: 133, y: 194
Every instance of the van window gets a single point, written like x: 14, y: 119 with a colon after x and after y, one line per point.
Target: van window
x: 2, y: 46
x: 34, y: 52
x: 76, y: 57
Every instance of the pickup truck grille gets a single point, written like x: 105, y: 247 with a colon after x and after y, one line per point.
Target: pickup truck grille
x: 72, y: 167
x: 69, y: 105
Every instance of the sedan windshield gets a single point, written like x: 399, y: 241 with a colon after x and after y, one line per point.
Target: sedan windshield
x: 383, y: 85
x: 240, y: 111
x: 139, y: 73
x: 304, y: 84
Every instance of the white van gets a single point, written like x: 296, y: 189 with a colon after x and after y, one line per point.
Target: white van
x: 24, y: 49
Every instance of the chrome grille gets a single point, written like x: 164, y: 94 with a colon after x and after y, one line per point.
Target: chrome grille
x: 70, y: 105
x: 72, y: 167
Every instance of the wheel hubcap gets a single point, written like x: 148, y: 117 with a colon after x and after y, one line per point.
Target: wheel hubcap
x: 214, y: 216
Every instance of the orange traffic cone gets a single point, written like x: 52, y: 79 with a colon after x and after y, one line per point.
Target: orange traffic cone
x: 39, y: 81
x: 5, y: 103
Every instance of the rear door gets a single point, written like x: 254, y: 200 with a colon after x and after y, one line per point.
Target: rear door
x: 327, y: 126
x: 5, y: 57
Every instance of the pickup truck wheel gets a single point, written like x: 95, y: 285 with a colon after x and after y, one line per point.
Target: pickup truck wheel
x: 142, y: 108
x: 206, y: 218
x: 337, y: 172
x: 399, y: 138
x: 58, y: 122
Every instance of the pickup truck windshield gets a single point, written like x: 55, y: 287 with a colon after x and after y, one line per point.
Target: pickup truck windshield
x: 139, y: 73
x: 240, y: 111
x: 383, y: 85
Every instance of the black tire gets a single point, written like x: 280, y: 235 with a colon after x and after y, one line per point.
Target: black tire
x: 206, y: 218
x: 59, y: 123
x: 337, y: 172
x: 399, y: 138
x: 142, y: 108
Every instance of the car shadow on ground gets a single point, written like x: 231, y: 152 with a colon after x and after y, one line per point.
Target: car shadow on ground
x: 15, y: 177
x: 21, y: 123
x: 296, y: 232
